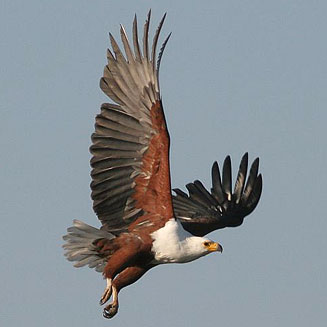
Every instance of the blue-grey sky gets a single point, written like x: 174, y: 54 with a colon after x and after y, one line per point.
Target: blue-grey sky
x: 236, y: 76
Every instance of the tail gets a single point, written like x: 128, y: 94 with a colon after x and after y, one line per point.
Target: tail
x: 80, y: 245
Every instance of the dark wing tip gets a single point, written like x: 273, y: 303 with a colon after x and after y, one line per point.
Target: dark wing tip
x: 241, y: 177
x: 251, y: 180
x: 180, y: 192
x: 254, y: 197
x: 227, y: 177
x: 162, y: 51
x: 221, y: 208
x: 217, y: 189
x: 155, y: 41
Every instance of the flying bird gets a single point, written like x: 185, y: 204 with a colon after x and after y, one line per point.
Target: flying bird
x: 143, y: 224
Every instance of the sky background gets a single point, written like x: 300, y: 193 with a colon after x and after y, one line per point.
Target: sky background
x: 236, y: 76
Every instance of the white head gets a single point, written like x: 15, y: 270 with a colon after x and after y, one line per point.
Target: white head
x: 173, y: 244
x: 194, y: 247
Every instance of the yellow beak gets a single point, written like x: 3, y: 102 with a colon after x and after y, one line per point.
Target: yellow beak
x: 214, y: 246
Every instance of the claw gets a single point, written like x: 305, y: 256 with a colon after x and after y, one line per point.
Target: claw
x: 110, y: 310
x: 107, y: 293
x: 106, y: 296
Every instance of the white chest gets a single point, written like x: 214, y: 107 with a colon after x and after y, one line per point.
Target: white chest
x: 172, y: 244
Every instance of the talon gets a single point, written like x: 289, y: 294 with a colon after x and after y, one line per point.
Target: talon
x: 105, y: 297
x: 107, y: 293
x: 110, y: 310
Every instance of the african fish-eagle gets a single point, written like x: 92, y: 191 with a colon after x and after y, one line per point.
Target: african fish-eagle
x: 143, y: 225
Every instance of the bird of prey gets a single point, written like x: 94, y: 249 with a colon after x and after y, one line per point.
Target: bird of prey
x: 143, y: 224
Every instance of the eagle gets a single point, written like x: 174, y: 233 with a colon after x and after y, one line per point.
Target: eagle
x: 143, y: 224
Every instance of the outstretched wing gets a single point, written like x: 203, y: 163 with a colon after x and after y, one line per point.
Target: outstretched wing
x: 131, y: 143
x: 201, y: 212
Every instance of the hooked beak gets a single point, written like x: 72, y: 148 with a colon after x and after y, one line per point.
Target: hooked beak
x: 213, y: 247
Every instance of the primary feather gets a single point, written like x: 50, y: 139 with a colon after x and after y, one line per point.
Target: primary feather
x: 202, y: 212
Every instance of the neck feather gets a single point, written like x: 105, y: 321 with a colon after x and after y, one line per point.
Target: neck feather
x: 173, y: 244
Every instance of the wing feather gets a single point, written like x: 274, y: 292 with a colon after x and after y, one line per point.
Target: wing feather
x: 217, y: 189
x: 227, y: 177
x: 241, y: 177
x: 202, y: 212
x: 127, y: 48
x: 130, y: 145
x: 146, y: 37
x: 204, y: 193
x: 136, y: 44
x: 251, y: 180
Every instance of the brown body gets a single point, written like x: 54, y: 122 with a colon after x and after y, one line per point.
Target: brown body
x: 123, y: 252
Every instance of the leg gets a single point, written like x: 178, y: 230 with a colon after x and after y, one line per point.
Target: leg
x: 107, y: 292
x: 116, y: 263
x: 125, y: 278
x: 112, y: 308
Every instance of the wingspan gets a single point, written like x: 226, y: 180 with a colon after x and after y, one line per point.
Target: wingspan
x: 201, y: 212
x: 130, y: 147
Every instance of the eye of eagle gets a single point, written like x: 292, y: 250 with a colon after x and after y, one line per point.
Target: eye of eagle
x: 206, y: 244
